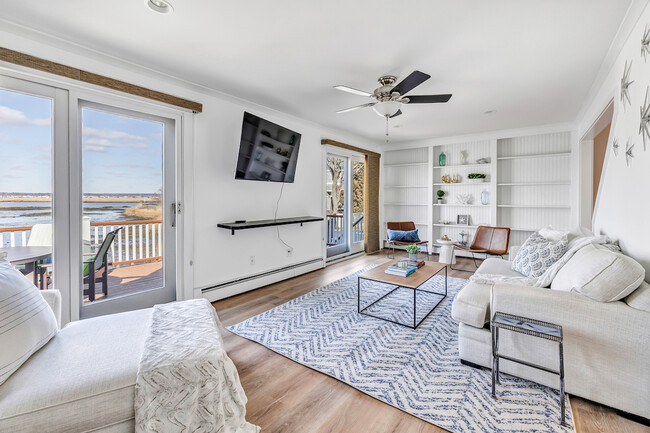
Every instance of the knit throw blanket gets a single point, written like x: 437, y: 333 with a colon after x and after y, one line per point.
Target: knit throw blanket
x: 186, y: 382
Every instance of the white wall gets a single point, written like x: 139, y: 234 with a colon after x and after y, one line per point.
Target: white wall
x: 623, y: 202
x: 216, y: 255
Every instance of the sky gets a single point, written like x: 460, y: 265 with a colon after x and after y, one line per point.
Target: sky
x: 119, y: 154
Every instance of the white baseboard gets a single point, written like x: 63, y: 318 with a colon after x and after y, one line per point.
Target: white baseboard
x: 235, y: 287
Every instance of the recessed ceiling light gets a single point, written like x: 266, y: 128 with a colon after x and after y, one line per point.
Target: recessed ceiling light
x: 160, y: 6
x: 490, y: 112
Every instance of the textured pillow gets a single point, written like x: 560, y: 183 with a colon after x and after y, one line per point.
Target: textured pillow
x: 402, y: 236
x: 26, y: 321
x: 600, y: 274
x: 640, y: 298
x: 537, y: 254
x: 550, y: 234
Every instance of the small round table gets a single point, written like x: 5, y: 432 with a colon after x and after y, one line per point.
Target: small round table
x: 446, y: 254
x: 31, y: 257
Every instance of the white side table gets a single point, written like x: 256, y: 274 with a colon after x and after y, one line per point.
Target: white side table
x: 446, y: 254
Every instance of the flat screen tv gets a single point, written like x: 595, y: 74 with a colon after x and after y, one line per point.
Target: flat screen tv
x: 267, y: 151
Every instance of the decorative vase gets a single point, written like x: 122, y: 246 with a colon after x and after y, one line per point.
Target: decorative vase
x: 442, y: 160
x: 485, y: 197
x: 413, y: 257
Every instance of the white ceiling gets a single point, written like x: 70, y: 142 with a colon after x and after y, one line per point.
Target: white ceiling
x: 533, y: 62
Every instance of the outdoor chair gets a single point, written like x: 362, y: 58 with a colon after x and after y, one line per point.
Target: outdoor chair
x: 405, y: 226
x: 489, y: 241
x: 97, y: 267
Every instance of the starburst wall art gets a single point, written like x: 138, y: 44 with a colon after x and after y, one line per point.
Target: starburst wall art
x: 625, y: 84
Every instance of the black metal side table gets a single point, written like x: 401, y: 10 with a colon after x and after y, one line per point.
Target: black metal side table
x: 535, y: 328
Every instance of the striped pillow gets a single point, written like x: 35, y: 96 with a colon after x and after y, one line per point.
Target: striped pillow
x: 26, y: 321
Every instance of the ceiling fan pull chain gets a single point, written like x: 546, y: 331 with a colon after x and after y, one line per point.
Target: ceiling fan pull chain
x: 386, y: 129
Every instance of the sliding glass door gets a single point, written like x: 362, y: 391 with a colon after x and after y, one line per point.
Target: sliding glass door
x: 344, y: 198
x: 128, y: 209
x: 88, y: 196
x: 26, y: 184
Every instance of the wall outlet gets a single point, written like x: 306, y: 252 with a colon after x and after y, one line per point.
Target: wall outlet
x: 289, y: 252
x: 252, y: 260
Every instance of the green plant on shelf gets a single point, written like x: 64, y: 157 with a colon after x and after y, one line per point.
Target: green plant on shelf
x: 413, y: 249
x: 476, y: 176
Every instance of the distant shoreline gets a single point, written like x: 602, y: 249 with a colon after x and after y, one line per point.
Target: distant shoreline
x: 125, y: 199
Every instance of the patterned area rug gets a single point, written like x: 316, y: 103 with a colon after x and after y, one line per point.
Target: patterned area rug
x: 417, y: 371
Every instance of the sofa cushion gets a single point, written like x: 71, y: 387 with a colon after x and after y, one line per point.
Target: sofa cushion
x: 640, y: 298
x: 600, y: 274
x: 496, y: 266
x: 537, y: 254
x: 472, y: 305
x: 26, y: 320
x: 82, y: 380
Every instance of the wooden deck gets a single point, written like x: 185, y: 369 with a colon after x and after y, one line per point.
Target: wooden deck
x: 127, y: 280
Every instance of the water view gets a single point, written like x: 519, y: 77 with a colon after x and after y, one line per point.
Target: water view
x: 121, y: 180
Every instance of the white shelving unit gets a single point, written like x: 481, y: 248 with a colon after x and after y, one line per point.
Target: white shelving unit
x: 528, y: 180
x: 407, y: 189
x: 534, y: 183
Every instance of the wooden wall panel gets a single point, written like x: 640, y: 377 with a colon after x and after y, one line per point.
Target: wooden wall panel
x: 32, y: 62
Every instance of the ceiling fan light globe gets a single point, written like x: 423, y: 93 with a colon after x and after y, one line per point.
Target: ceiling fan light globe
x: 387, y: 108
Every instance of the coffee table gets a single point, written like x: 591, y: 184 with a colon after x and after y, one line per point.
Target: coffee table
x: 413, y: 282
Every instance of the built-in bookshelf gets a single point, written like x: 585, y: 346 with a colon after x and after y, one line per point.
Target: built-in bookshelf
x: 528, y: 180
x: 407, y: 188
x: 534, y: 183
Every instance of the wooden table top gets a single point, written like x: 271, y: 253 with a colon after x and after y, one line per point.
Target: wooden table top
x: 21, y: 255
x: 413, y: 281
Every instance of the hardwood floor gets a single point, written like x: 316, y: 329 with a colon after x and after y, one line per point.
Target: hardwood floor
x: 286, y: 397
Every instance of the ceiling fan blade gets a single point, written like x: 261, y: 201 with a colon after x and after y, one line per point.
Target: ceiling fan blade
x: 356, y: 108
x: 411, y: 82
x: 352, y: 90
x: 396, y: 114
x: 428, y: 99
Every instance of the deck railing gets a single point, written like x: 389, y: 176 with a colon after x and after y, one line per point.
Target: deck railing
x: 138, y: 241
x: 335, y: 229
x: 14, y: 236
x: 357, y: 230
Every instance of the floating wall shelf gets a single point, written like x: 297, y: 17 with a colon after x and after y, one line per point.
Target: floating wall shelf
x: 268, y: 223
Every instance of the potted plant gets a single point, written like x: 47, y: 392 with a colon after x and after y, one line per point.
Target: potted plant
x: 476, y: 177
x: 441, y: 194
x: 413, y: 251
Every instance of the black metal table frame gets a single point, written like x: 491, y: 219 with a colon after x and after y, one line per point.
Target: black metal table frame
x: 415, y: 290
x: 496, y: 355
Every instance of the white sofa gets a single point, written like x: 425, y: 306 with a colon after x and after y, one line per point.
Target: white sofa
x: 606, y: 344
x: 82, y: 380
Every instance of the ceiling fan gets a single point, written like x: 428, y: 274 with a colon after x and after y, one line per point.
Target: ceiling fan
x: 388, y: 98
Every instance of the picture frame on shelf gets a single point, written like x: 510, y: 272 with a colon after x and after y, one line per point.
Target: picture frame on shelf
x: 462, y: 220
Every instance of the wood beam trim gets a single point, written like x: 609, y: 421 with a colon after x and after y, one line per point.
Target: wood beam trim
x: 349, y: 147
x: 37, y: 63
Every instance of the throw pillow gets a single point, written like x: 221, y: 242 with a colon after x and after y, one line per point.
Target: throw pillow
x: 537, y: 254
x: 640, y: 298
x: 26, y: 320
x: 600, y: 274
x: 403, y: 236
x: 550, y: 234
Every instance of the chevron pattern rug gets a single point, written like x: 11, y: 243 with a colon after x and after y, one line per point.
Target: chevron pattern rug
x: 417, y: 371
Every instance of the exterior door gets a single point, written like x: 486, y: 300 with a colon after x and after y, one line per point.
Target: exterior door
x: 338, y: 214
x: 128, y: 209
x: 34, y: 211
x: 357, y: 202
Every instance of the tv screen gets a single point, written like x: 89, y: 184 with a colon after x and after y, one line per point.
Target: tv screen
x: 267, y: 151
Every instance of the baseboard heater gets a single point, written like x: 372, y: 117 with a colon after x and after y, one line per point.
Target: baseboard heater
x: 255, y: 281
